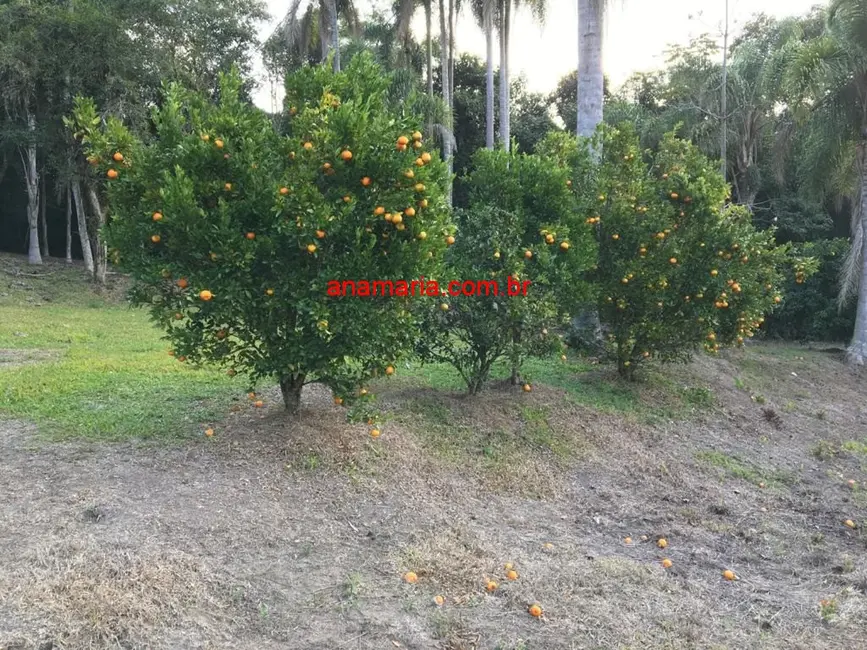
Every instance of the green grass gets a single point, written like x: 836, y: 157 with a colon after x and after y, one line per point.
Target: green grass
x: 106, y: 374
x: 654, y: 397
x: 81, y: 363
x: 580, y: 380
x: 857, y: 447
x: 442, y: 433
x: 734, y: 467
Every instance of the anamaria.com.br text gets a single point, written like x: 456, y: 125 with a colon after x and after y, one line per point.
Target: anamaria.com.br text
x: 426, y: 287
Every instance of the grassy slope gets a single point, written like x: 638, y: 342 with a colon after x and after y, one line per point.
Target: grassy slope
x: 91, y: 366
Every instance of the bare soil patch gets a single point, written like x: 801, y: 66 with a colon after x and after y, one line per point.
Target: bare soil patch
x: 296, y: 534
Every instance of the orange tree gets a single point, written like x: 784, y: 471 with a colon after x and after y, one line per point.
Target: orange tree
x: 233, y: 232
x: 678, y: 269
x: 521, y: 223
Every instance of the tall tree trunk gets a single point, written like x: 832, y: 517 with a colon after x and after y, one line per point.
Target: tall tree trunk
x: 451, y: 55
x: 590, y: 79
x: 507, y: 114
x: 504, y: 75
x: 42, y: 219
x: 857, y: 351
x: 724, y: 100
x: 99, y: 261
x: 335, y: 28
x: 31, y: 178
x: 86, y: 248
x: 488, y: 20
x: 429, y: 46
x: 446, y: 84
x: 68, y: 224
x: 291, y: 387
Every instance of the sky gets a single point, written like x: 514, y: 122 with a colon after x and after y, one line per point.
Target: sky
x: 637, y: 33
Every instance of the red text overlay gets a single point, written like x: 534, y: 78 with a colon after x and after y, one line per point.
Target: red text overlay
x: 425, y: 287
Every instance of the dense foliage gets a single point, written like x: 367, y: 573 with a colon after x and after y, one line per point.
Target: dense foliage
x: 233, y: 233
x: 811, y: 311
x: 677, y: 268
x: 520, y: 229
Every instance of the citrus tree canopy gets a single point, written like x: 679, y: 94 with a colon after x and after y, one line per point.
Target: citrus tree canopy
x: 232, y: 231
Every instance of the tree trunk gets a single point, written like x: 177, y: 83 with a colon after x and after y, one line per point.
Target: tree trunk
x: 68, y: 225
x: 504, y: 77
x: 86, y: 250
x: 451, y: 55
x: 507, y: 114
x: 429, y: 46
x: 590, y: 79
x: 291, y: 387
x: 857, y: 351
x: 446, y: 87
x: 34, y: 256
x: 335, y: 28
x: 489, y: 76
x: 99, y: 261
x: 42, y: 220
x: 724, y: 100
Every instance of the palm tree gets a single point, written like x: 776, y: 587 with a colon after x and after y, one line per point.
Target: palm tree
x: 404, y: 11
x: 428, y: 10
x: 298, y: 35
x: 538, y: 8
x: 484, y: 11
x: 829, y: 76
x: 590, y: 78
x: 445, y: 77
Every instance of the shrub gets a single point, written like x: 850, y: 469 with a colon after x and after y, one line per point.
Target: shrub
x: 234, y: 233
x: 677, y: 268
x: 521, y: 223
x: 810, y: 311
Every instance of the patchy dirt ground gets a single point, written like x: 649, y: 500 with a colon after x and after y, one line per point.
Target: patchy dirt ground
x: 296, y: 535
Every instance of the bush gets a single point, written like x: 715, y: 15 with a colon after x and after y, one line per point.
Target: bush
x: 810, y: 311
x: 677, y: 268
x: 521, y: 223
x: 236, y: 236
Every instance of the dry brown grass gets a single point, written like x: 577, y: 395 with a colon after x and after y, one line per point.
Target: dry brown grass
x: 99, y: 595
x: 296, y: 535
